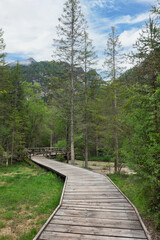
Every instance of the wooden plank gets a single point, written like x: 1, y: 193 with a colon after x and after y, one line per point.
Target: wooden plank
x: 91, y: 196
x: 80, y: 208
x: 108, y: 223
x: 90, y: 201
x: 98, y: 214
x: 69, y: 236
x: 100, y: 205
x: 99, y: 191
x: 113, y: 232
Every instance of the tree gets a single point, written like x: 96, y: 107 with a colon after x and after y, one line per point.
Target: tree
x: 113, y: 55
x: 17, y: 103
x: 148, y: 57
x: 2, y: 48
x: 35, y: 112
x: 88, y: 59
x: 68, y: 46
x: 59, y: 97
x: 5, y: 98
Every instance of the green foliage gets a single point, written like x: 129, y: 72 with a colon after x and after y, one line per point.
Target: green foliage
x: 60, y: 158
x: 60, y: 143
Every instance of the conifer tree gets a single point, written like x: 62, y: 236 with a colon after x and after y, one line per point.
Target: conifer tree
x: 5, y: 97
x: 68, y: 46
x: 17, y: 103
x: 88, y: 59
x: 147, y: 55
x: 113, y: 55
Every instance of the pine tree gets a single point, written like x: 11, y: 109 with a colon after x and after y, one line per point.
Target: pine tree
x: 147, y: 56
x: 68, y: 45
x: 5, y: 98
x: 17, y: 103
x: 2, y: 48
x: 113, y: 55
x: 88, y: 59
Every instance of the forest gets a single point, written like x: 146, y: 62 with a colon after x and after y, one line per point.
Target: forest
x: 112, y: 115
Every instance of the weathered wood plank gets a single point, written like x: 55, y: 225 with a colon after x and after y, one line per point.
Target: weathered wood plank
x: 97, y: 209
x: 108, y: 223
x: 100, y: 206
x: 69, y: 236
x: 98, y: 214
x: 113, y: 232
x: 89, y: 201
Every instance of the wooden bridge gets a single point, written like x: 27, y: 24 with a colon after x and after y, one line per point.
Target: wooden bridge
x: 51, y: 152
x: 91, y: 208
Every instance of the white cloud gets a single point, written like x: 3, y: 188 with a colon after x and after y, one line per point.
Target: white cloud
x: 29, y: 25
x: 102, y: 3
x: 147, y: 1
x: 128, y: 38
x: 132, y: 19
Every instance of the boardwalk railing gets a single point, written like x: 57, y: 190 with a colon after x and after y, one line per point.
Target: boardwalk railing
x: 50, y: 152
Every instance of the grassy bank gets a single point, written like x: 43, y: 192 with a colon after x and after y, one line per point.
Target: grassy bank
x: 28, y: 195
x: 140, y: 193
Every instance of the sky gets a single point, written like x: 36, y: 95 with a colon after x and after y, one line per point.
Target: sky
x: 30, y: 25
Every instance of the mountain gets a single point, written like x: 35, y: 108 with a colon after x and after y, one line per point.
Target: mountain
x: 27, y: 62
x: 41, y: 72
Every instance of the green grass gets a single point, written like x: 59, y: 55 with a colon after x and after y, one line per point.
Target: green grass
x: 27, y: 193
x: 30, y: 235
x: 6, y: 237
x: 139, y: 191
x: 2, y: 225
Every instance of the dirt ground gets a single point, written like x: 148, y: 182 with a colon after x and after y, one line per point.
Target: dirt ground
x: 103, y: 167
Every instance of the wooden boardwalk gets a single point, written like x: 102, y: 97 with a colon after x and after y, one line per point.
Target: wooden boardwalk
x: 91, y: 208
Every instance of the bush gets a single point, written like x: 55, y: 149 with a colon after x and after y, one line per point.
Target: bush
x: 60, y: 158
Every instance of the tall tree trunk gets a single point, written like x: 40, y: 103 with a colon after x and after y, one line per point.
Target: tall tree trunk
x: 116, y: 151
x: 12, y: 146
x: 72, y: 126
x: 115, y: 134
x: 7, y: 155
x: 67, y: 142
x: 86, y: 147
x: 115, y: 102
x: 155, y: 107
x: 96, y: 145
x: 72, y: 91
x: 86, y: 106
x: 51, y: 140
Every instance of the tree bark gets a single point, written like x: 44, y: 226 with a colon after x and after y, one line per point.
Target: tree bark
x: 86, y: 106
x: 72, y: 91
x: 51, y: 140
x: 156, y: 107
x: 67, y: 142
x: 7, y: 154
x: 115, y: 134
x: 12, y: 147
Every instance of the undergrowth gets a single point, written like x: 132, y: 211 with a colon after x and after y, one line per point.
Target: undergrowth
x: 140, y: 192
x: 28, y: 195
